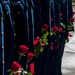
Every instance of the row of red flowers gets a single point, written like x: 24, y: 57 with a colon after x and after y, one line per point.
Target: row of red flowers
x: 16, y: 68
x: 39, y: 43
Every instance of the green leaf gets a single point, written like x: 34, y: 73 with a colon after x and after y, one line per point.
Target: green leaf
x: 67, y: 40
x: 69, y: 29
x: 9, y: 70
x: 63, y: 25
x: 41, y: 49
x: 11, y: 73
x: 29, y: 73
x: 71, y: 23
x: 37, y: 53
x: 51, y: 33
x: 45, y: 35
x: 45, y: 41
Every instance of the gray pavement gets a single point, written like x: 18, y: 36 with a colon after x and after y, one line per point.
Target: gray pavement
x: 68, y: 61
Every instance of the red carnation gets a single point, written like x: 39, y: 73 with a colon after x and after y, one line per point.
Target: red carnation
x: 35, y: 42
x: 55, y: 29
x: 60, y: 29
x: 73, y: 13
x: 30, y: 56
x: 51, y: 19
x: 23, y: 49
x: 42, y: 44
x: 70, y: 35
x: 72, y: 19
x: 32, y: 68
x: 15, y: 66
x: 60, y: 15
x: 45, y: 26
x: 37, y: 38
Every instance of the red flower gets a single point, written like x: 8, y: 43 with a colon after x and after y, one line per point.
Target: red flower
x: 30, y: 56
x: 32, y: 68
x: 51, y: 19
x: 70, y: 35
x: 51, y: 46
x: 23, y: 49
x: 72, y: 19
x: 60, y: 15
x: 37, y: 38
x: 73, y: 13
x: 15, y: 66
x: 55, y: 29
x: 35, y: 42
x: 42, y: 44
x: 60, y: 29
x: 45, y: 26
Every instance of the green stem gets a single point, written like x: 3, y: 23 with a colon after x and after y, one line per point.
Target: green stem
x: 19, y: 57
x: 11, y: 73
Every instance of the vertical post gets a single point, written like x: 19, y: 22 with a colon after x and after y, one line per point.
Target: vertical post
x: 2, y: 31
